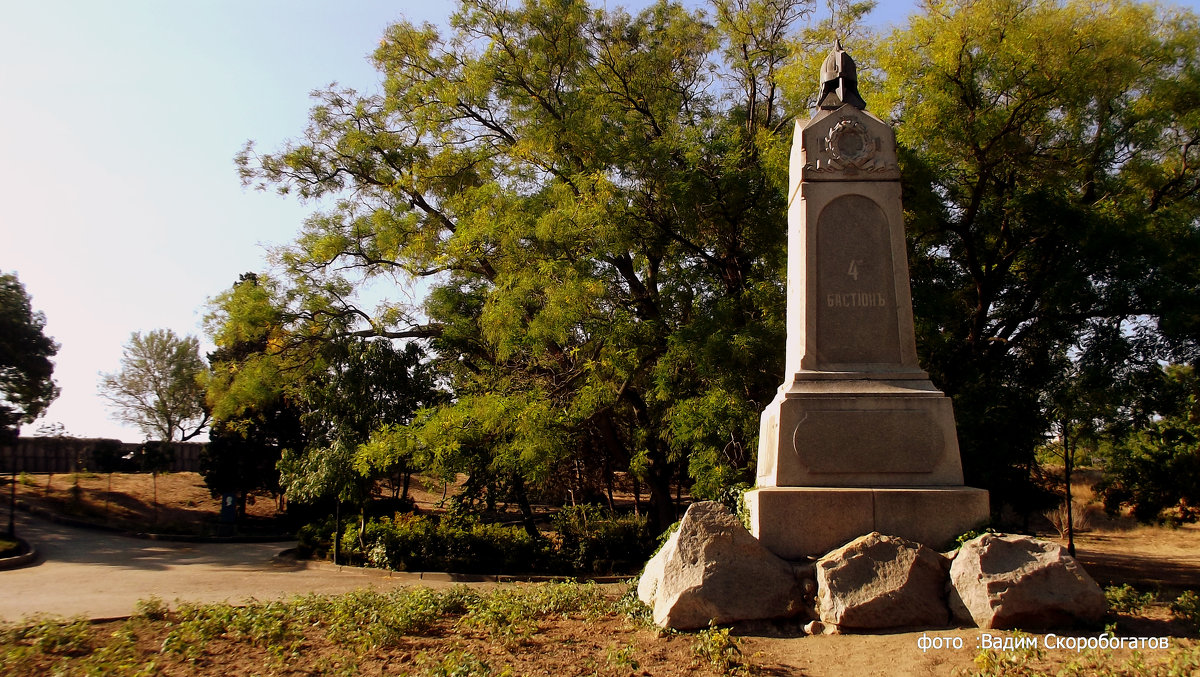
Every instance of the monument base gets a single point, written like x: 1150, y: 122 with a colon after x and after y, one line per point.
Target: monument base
x: 797, y: 522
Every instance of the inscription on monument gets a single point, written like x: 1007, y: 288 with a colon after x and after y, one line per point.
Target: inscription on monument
x: 856, y: 323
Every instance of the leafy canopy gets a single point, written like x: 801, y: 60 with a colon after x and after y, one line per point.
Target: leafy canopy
x: 26, y: 383
x: 1052, y: 189
x: 595, y: 202
x: 158, y: 387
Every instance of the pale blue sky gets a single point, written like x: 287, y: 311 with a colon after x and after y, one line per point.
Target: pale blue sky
x: 120, y: 208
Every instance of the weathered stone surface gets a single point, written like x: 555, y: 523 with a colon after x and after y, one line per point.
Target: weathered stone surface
x: 855, y: 413
x: 796, y: 522
x: 711, y: 568
x: 878, y: 581
x: 1008, y: 581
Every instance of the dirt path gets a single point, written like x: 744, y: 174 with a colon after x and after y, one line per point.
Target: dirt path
x: 100, y: 574
x: 1146, y: 557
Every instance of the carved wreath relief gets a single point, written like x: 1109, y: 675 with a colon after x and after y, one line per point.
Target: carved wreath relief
x: 850, y: 148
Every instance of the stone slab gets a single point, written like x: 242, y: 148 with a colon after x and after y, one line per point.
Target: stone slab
x: 798, y: 522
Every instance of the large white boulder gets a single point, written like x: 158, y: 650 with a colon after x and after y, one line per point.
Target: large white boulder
x: 1008, y: 581
x: 878, y: 581
x: 712, y: 569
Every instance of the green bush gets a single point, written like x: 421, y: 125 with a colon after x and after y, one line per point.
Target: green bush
x: 721, y: 652
x: 592, y: 540
x: 1126, y: 599
x: 407, y: 542
x: 1187, y: 609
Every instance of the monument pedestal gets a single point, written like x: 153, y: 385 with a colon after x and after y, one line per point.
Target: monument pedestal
x: 798, y: 522
x: 858, y: 430
x: 845, y: 454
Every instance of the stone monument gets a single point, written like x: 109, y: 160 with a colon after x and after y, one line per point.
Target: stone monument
x: 857, y: 439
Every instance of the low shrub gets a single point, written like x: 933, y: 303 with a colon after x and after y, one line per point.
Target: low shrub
x: 408, y: 542
x: 721, y: 652
x: 1187, y: 609
x: 592, y: 540
x: 589, y: 540
x: 1126, y: 599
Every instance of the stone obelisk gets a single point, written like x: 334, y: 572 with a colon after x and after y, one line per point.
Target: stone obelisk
x: 857, y: 439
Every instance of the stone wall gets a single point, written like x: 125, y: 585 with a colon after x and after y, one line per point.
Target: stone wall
x: 74, y: 454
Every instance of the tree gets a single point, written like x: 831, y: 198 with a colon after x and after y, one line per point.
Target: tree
x: 1052, y: 184
x: 158, y: 387
x: 26, y: 383
x: 1154, y: 469
x: 597, y: 203
x: 254, y: 415
x: 1082, y: 404
x: 313, y: 405
x: 370, y: 384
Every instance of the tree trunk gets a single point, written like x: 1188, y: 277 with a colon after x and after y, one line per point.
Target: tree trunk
x: 658, y: 482
x: 1068, y: 469
x: 608, y: 485
x: 12, y: 491
x: 637, y: 494
x: 337, y: 527
x: 518, y: 490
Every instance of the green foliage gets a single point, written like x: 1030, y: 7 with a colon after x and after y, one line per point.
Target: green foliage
x: 418, y: 543
x: 357, y: 622
x: 26, y: 383
x: 1090, y: 663
x: 266, y: 625
x: 153, y: 609
x: 967, y: 536
x: 632, y: 607
x: 1126, y: 599
x: 455, y: 663
x: 720, y: 651
x: 991, y: 663
x: 1155, y: 470
x: 600, y: 220
x: 1186, y: 608
x: 239, y: 462
x: 158, y: 388
x: 623, y: 657
x: 594, y: 540
x: 1050, y: 206
x: 50, y: 635
x: 511, y: 615
x: 373, y: 619
x: 589, y: 541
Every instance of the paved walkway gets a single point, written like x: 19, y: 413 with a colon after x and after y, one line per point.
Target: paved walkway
x: 101, y: 575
